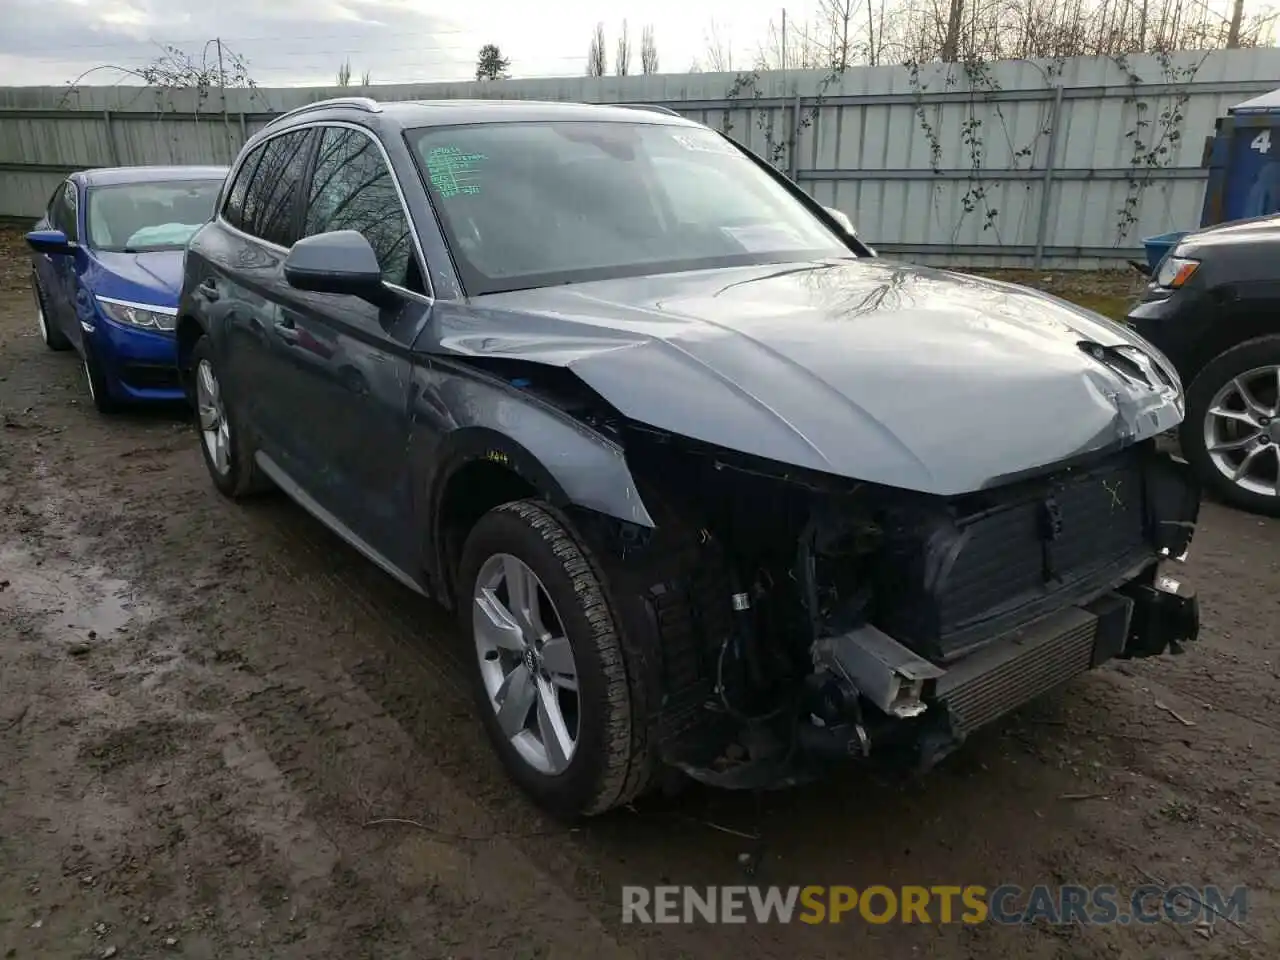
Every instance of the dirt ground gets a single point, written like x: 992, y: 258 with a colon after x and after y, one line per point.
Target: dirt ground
x: 224, y: 734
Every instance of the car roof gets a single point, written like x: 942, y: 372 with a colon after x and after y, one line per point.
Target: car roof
x: 440, y: 112
x: 426, y: 113
x: 108, y: 176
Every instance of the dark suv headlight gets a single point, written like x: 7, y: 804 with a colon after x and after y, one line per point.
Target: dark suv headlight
x: 136, y: 315
x: 1175, y: 271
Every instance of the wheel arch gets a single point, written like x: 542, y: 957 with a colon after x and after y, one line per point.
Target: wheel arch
x: 478, y: 468
x: 188, y: 332
x: 1244, y: 320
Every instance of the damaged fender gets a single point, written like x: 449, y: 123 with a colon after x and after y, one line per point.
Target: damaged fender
x: 461, y: 415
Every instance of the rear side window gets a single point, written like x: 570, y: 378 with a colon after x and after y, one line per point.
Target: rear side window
x: 352, y: 189
x: 272, y: 200
x: 62, y: 210
x: 263, y: 199
x: 233, y: 208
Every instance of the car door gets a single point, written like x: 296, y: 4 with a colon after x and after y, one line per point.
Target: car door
x: 350, y: 381
x: 261, y: 208
x: 57, y: 271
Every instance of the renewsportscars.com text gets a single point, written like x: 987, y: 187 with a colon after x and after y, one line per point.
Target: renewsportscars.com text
x: 1006, y: 904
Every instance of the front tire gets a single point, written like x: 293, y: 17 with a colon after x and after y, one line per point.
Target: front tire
x: 224, y: 445
x: 549, y: 674
x: 96, y: 383
x: 1231, y: 433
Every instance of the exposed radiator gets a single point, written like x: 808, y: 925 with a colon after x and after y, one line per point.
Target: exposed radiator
x: 998, y: 559
x: 1013, y: 671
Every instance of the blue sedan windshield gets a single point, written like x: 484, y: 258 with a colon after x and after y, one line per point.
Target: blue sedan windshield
x: 137, y: 217
x: 535, y: 204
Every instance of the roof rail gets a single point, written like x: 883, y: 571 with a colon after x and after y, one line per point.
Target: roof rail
x: 367, y: 104
x: 651, y: 107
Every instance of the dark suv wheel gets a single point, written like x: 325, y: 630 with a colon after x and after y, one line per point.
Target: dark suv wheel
x: 227, y: 451
x: 1232, y: 429
x: 549, y: 672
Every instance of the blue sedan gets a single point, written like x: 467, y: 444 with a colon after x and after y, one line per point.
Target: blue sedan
x: 106, y: 269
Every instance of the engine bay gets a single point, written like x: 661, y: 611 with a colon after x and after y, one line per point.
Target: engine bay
x: 851, y: 603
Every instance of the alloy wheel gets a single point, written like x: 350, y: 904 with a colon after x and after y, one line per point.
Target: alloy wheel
x: 214, y: 428
x: 1242, y: 430
x: 526, y: 663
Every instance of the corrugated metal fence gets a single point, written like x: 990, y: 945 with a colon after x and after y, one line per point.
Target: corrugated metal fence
x: 1062, y: 163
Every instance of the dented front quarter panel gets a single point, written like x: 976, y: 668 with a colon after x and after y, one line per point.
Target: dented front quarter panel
x: 889, y: 373
x: 459, y: 414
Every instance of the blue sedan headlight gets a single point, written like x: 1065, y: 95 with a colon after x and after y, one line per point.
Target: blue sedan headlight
x: 139, y: 315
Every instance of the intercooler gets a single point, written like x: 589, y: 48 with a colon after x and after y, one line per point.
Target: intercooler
x: 1017, y: 669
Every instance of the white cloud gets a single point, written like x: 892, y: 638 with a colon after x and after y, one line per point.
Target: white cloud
x: 298, y: 41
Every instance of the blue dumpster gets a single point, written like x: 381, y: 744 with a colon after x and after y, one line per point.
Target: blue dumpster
x: 1244, y: 163
x: 1158, y: 247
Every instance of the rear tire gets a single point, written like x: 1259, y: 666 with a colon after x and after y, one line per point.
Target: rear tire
x: 1256, y: 363
x: 53, y: 338
x: 225, y: 447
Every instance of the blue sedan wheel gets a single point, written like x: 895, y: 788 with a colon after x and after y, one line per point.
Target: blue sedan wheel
x: 52, y: 337
x: 99, y: 392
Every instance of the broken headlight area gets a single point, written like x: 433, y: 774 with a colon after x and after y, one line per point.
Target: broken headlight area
x: 841, y: 618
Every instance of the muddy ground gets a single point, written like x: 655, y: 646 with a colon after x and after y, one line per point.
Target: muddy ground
x: 223, y: 734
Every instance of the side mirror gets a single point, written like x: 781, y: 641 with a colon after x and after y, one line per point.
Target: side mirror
x: 338, y: 262
x: 839, y: 217
x: 49, y: 241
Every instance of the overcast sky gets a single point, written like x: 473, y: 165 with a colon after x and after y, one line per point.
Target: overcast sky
x: 304, y: 41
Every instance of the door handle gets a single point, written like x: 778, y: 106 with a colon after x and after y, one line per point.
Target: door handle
x: 285, y: 330
x: 209, y: 289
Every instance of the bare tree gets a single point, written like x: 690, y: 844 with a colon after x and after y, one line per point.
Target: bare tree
x: 648, y: 51
x: 984, y: 30
x: 344, y: 74
x: 796, y: 48
x: 719, y: 55
x: 622, y: 61
x: 836, y: 17
x: 595, y: 53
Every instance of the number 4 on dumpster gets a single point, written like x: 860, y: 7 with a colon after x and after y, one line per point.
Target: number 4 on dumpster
x: 1262, y: 142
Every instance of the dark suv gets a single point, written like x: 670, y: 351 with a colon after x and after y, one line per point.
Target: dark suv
x: 712, y: 488
x: 1213, y: 307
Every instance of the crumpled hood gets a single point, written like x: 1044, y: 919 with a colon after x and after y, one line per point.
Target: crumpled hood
x: 879, y: 371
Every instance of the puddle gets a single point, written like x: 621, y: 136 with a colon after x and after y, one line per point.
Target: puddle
x: 67, y: 599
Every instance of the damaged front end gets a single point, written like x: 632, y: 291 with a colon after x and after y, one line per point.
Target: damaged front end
x: 839, y: 619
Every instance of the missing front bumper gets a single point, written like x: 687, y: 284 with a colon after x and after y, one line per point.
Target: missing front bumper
x: 862, y: 673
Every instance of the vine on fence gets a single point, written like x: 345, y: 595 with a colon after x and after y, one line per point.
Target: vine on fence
x: 174, y: 71
x: 1163, y: 133
x: 984, y: 90
x: 778, y: 150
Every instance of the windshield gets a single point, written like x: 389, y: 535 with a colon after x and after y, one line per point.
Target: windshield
x: 136, y: 217
x: 535, y: 204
